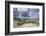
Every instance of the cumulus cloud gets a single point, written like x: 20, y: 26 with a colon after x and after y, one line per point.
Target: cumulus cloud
x: 27, y: 13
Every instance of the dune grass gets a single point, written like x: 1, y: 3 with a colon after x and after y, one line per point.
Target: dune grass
x: 25, y: 21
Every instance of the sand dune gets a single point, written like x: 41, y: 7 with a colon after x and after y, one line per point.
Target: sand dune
x: 28, y: 25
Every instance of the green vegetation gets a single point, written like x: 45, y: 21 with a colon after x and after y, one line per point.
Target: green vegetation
x: 25, y: 21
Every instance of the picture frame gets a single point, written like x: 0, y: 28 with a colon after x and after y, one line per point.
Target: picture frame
x: 11, y: 6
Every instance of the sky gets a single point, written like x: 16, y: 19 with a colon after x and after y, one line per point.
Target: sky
x: 27, y: 13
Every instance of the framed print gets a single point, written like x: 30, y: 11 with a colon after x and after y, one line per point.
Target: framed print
x: 24, y: 17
